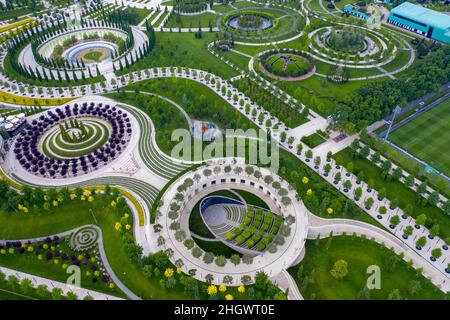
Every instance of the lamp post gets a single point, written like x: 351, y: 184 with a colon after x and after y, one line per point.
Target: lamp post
x: 396, y: 111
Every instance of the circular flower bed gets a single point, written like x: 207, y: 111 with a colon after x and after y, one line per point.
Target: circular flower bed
x: 259, y: 23
x: 30, y: 143
x: 286, y: 64
x: 74, y: 138
x: 248, y: 20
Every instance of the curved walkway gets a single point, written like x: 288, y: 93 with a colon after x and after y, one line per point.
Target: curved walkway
x: 106, y: 264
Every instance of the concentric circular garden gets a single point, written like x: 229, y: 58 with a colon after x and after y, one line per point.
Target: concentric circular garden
x: 358, y: 47
x: 286, y: 64
x: 259, y: 23
x: 73, y: 140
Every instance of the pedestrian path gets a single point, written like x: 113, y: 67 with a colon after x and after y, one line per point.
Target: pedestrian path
x: 51, y: 284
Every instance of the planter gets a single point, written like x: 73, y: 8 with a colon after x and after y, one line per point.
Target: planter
x: 405, y: 236
x: 379, y: 216
x: 430, y: 237
x: 417, y: 226
x: 445, y: 247
x: 433, y: 259
x: 418, y: 248
x: 391, y: 226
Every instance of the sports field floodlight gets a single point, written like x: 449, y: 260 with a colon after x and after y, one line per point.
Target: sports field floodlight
x: 394, y: 114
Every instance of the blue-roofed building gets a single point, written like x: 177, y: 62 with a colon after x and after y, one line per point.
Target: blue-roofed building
x: 429, y: 23
x: 360, y: 12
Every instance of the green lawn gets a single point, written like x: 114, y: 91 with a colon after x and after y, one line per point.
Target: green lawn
x: 183, y: 49
x: 203, y: 20
x: 251, y: 198
x: 395, y: 190
x: 93, y: 56
x: 165, y: 117
x: 75, y: 213
x: 359, y: 253
x: 28, y: 262
x: 313, y: 140
x: 427, y: 138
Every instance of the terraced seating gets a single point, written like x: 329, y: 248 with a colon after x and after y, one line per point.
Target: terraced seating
x: 257, y: 228
x: 222, y: 229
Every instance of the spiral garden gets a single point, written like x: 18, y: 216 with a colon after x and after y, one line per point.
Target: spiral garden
x: 73, y: 140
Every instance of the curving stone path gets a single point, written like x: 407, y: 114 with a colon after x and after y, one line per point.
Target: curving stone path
x: 102, y: 252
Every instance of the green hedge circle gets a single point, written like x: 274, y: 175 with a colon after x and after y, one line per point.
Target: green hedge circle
x: 54, y: 145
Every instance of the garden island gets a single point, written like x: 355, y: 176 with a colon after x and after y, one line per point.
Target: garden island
x: 224, y: 150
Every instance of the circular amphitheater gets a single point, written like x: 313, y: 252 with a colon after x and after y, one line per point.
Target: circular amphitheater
x: 273, y: 236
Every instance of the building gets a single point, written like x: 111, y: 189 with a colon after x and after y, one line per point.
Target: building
x: 357, y: 11
x: 426, y: 22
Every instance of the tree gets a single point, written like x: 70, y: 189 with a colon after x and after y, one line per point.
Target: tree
x: 368, y: 203
x: 350, y: 167
x: 26, y: 285
x: 358, y: 193
x: 382, y: 210
x: 421, y: 219
x: 397, y: 174
x: 299, y: 148
x: 394, y: 295
x: 235, y: 259
x: 414, y: 286
x: 436, y: 253
x: 57, y: 294
x: 340, y: 269
x: 337, y: 177
x: 408, y: 231
x: 422, y: 188
x: 208, y: 257
x: 247, y: 259
x: 327, y: 168
x: 421, y: 242
x: 246, y: 280
x: 409, y: 181
x: 433, y: 198
x: 395, y: 220
x: 382, y: 194
x: 220, y: 261
x: 434, y: 230
x: 347, y: 184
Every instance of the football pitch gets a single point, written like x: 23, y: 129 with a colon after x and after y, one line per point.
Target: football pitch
x: 428, y: 137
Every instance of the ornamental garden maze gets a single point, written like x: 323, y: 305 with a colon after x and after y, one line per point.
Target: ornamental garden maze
x: 220, y: 150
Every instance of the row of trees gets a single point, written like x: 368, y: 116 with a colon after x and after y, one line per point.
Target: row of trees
x: 374, y: 101
x: 26, y: 287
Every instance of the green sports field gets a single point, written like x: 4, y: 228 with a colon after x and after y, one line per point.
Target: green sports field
x: 427, y: 137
